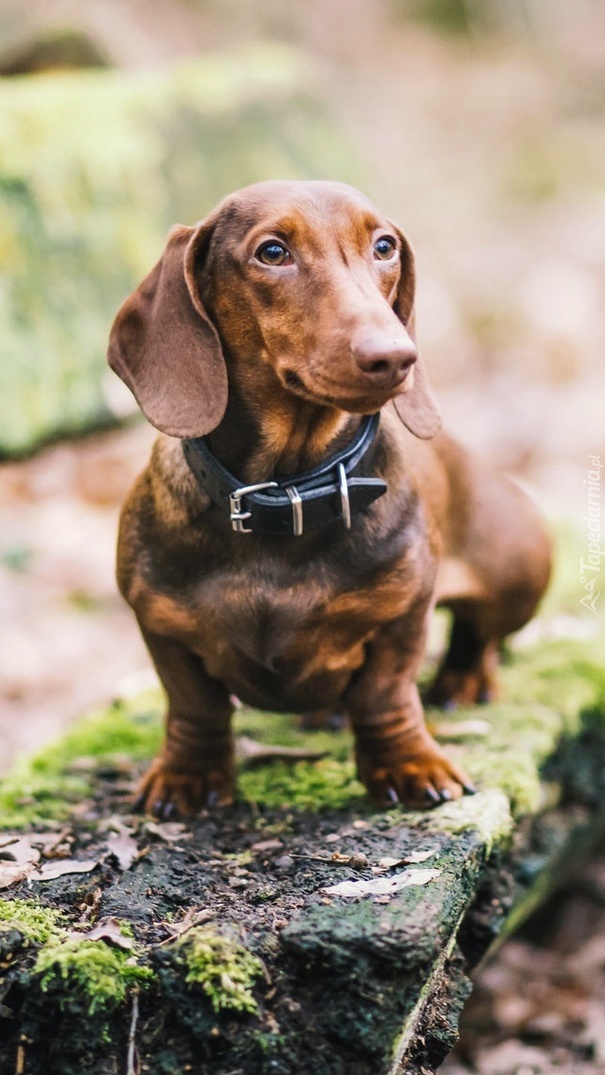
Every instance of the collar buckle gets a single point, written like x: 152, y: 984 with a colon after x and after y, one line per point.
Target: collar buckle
x: 297, y: 509
x: 237, y: 516
x: 345, y: 503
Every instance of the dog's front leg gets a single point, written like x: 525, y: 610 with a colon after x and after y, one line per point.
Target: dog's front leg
x: 195, y: 767
x: 397, y: 758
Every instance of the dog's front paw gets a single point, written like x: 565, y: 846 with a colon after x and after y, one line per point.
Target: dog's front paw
x: 419, y: 779
x: 167, y: 793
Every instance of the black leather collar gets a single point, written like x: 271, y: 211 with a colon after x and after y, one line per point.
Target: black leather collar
x: 336, y: 489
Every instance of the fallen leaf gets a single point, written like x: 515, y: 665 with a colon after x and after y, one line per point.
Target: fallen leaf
x: 169, y: 831
x: 267, y: 845
x: 382, y: 886
x: 55, y: 845
x: 123, y: 847
x: 414, y: 857
x: 420, y: 856
x: 109, y: 931
x: 91, y: 904
x: 195, y: 916
x: 60, y: 867
x: 18, y: 859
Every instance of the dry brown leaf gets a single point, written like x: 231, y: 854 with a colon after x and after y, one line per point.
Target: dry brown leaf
x: 195, y: 916
x: 169, y: 831
x: 267, y: 845
x: 108, y: 930
x: 388, y: 863
x: 60, y: 867
x: 18, y: 860
x: 123, y: 847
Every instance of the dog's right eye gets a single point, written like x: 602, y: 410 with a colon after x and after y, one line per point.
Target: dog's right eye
x: 273, y: 253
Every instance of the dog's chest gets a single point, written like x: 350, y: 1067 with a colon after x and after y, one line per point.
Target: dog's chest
x: 273, y: 633
x: 276, y: 619
x: 278, y: 633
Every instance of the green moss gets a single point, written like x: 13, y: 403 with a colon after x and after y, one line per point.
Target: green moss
x: 46, y: 786
x: 92, y: 971
x: 564, y: 675
x: 487, y: 813
x: 97, y: 976
x: 36, y: 923
x: 328, y: 784
x: 520, y: 740
x: 285, y: 729
x: 222, y: 968
x: 547, y: 689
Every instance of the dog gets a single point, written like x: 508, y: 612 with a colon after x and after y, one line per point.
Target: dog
x: 303, y: 513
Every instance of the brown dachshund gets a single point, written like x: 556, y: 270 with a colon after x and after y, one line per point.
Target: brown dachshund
x: 292, y: 556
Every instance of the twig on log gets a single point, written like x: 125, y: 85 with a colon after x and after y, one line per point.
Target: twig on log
x: 132, y: 1067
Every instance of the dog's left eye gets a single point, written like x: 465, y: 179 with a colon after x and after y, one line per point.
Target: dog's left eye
x: 385, y: 248
x: 273, y: 253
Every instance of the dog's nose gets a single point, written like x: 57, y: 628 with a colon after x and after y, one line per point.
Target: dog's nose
x: 385, y: 360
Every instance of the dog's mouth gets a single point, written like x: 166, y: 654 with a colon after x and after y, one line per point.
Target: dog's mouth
x: 330, y: 393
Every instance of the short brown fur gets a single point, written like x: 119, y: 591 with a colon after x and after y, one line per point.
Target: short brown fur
x: 275, y: 364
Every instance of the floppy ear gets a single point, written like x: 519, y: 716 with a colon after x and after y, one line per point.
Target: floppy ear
x: 416, y: 406
x: 166, y: 349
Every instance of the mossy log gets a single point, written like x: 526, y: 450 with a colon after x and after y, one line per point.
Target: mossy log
x: 298, y: 931
x: 94, y: 168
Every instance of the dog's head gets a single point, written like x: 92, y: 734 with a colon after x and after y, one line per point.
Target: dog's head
x: 305, y: 280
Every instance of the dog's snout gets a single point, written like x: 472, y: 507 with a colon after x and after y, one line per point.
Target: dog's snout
x: 384, y: 359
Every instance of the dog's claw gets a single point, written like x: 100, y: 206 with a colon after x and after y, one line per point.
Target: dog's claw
x: 391, y: 796
x: 212, y: 799
x: 449, y: 706
x: 469, y: 789
x: 431, y: 795
x: 445, y: 794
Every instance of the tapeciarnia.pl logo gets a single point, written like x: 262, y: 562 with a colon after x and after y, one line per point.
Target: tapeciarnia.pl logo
x: 590, y: 568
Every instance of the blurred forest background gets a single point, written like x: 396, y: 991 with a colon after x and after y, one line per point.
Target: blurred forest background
x: 477, y: 124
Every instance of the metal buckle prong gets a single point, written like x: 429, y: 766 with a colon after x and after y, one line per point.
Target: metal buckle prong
x: 297, y: 509
x: 344, y: 496
x: 237, y: 516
